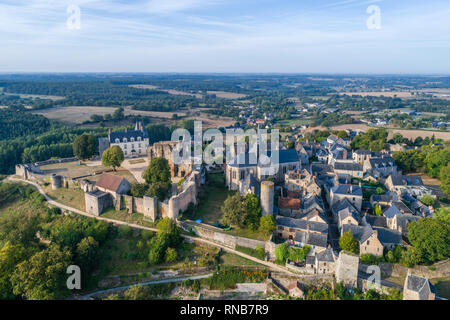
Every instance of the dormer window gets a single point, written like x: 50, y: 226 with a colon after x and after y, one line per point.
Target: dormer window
x: 117, y: 141
x: 125, y: 140
x: 132, y: 139
x: 139, y: 139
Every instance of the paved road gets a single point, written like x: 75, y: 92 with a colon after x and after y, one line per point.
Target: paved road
x: 268, y: 264
x: 90, y: 295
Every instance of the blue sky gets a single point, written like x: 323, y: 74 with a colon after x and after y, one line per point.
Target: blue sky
x: 293, y: 36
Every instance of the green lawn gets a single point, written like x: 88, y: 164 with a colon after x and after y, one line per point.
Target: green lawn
x: 212, y: 197
x: 123, y: 215
x: 232, y: 259
x: 72, y: 197
x: 442, y: 287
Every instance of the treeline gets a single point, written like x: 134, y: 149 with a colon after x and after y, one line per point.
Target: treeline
x: 39, y: 147
x: 432, y: 160
x: 331, y: 119
x: 373, y: 140
x: 16, y: 123
x: 33, y: 271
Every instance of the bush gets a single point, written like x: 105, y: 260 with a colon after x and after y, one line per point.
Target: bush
x: 171, y: 255
x: 125, y: 231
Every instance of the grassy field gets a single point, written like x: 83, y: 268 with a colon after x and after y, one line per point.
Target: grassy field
x: 123, y: 215
x: 232, y: 259
x: 72, y: 170
x: 442, y: 286
x: 72, y: 197
x: 213, y: 197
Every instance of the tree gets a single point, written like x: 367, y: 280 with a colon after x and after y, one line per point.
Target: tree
x: 138, y: 190
x: 10, y: 256
x: 159, y: 190
x: 234, y: 211
x: 171, y: 255
x: 398, y: 138
x: 428, y: 200
x: 378, y: 210
x: 157, y: 171
x: 282, y: 253
x: 113, y: 157
x: 86, y: 253
x: 431, y: 238
x: 253, y: 209
x: 445, y: 179
x: 118, y: 114
x: 169, y: 227
x: 43, y: 276
x: 410, y: 257
x: 443, y: 214
x: 348, y: 242
x: 267, y: 224
x: 84, y: 146
x: 380, y: 191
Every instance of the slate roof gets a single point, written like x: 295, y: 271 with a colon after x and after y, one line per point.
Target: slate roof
x: 347, y: 189
x: 311, y: 239
x: 421, y: 285
x: 391, y: 212
x: 310, y: 260
x: 109, y: 182
x: 376, y: 221
x: 302, y: 224
x: 361, y: 233
x: 388, y: 236
x: 363, y: 152
x: 379, y: 163
x: 244, y: 160
x: 326, y: 255
x: 400, y: 180
x: 347, y: 212
x: 402, y: 207
x: 349, y: 166
x: 404, y: 219
x: 342, y: 204
x: 381, y: 198
x: 129, y: 134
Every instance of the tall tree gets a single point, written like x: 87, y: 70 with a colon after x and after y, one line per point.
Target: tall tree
x: 431, y: 238
x: 113, y: 157
x: 84, y: 146
x: 158, y: 171
x: 348, y: 242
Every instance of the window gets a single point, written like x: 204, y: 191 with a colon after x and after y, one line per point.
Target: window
x: 132, y: 139
x: 125, y: 152
x: 234, y: 174
x: 139, y: 145
x: 125, y: 140
x: 242, y: 174
x: 139, y: 139
x: 132, y: 146
x: 368, y: 242
x: 117, y: 141
x: 125, y: 146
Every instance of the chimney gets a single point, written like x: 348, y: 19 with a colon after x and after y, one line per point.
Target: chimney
x: 375, y: 232
x: 307, y: 228
x: 317, y: 212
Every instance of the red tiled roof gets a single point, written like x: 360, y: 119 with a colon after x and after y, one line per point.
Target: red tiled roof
x: 109, y: 182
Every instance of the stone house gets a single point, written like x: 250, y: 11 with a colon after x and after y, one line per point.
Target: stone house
x: 380, y: 167
x: 296, y: 289
x: 401, y: 183
x: 97, y: 201
x: 303, y: 181
x: 113, y: 185
x: 132, y: 142
x: 352, y: 169
x: 418, y: 288
x: 352, y: 193
x: 361, y: 155
x: 325, y: 261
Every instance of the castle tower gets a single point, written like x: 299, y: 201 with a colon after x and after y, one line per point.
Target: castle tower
x: 267, y: 195
x: 56, y: 182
